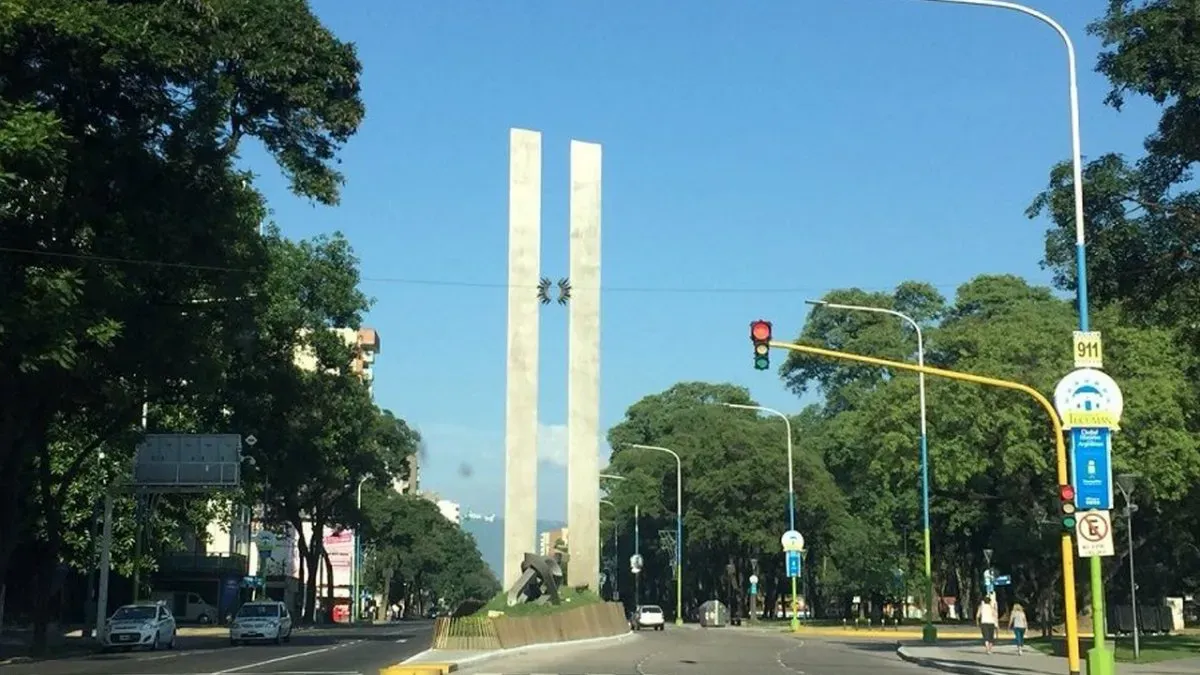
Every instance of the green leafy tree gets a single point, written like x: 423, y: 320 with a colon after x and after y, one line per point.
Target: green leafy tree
x: 120, y: 208
x: 992, y: 452
x: 319, y: 433
x: 735, y: 495
x: 416, y: 554
x: 1142, y: 217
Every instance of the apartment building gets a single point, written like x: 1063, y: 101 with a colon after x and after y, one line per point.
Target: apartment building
x: 450, y: 510
x: 551, y: 541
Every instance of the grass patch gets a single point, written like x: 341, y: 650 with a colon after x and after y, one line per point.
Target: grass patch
x: 1155, y: 648
x: 570, y: 599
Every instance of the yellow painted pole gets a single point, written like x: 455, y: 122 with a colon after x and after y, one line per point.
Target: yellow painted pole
x: 1060, y: 448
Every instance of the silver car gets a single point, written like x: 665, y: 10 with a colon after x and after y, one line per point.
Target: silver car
x: 260, y: 621
x: 142, y: 624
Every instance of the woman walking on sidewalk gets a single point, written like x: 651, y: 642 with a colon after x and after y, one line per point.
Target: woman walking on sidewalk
x: 986, y: 617
x: 1017, y: 622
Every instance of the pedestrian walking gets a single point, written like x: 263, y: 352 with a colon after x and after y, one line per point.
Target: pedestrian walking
x: 987, y: 620
x: 1018, y: 623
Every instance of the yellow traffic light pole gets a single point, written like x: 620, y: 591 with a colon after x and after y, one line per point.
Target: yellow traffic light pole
x: 1060, y: 448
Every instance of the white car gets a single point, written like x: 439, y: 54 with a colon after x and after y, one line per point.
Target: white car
x: 648, y: 616
x: 260, y: 621
x: 142, y: 624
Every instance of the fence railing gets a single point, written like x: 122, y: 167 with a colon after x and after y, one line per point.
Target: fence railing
x: 506, y: 632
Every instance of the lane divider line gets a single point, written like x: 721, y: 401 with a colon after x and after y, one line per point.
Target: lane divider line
x: 278, y: 659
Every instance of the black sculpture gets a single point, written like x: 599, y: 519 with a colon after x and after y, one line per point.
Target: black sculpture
x: 539, y: 581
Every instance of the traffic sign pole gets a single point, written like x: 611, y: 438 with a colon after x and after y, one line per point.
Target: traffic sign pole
x: 1090, y: 404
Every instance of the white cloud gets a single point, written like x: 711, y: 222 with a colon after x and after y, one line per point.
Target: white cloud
x: 552, y: 445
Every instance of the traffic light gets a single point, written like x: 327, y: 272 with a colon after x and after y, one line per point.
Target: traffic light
x: 760, y: 335
x: 1066, y: 497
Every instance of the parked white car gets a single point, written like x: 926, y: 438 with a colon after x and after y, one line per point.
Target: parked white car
x: 260, y: 621
x: 142, y: 624
x: 648, y: 616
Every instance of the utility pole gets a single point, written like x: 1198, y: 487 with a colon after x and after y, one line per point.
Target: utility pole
x: 1125, y: 483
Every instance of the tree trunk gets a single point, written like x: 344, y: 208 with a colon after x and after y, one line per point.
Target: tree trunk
x: 328, y: 578
x: 46, y: 550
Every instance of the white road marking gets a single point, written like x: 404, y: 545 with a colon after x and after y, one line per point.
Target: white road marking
x: 401, y: 641
x: 779, y: 658
x: 311, y: 652
x: 641, y: 663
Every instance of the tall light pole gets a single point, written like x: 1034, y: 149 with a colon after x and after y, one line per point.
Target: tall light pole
x: 616, y: 569
x: 1100, y: 660
x: 929, y: 633
x: 356, y: 584
x: 787, y: 423
x: 678, y: 526
x: 1125, y: 483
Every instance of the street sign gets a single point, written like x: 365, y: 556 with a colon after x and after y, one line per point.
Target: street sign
x: 753, y: 579
x: 1088, y: 349
x: 1003, y: 580
x: 251, y: 440
x: 1091, y: 467
x: 635, y: 563
x: 187, y: 462
x: 793, y: 563
x: 1088, y: 398
x: 792, y: 541
x: 1093, y: 534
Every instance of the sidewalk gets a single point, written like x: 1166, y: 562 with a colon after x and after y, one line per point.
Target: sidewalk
x: 897, y: 633
x: 969, y: 658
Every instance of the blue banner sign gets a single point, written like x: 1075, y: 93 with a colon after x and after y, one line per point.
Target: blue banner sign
x: 1091, y: 468
x: 793, y: 563
x: 1003, y: 580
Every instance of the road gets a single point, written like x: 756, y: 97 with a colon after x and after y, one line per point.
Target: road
x: 330, y: 651
x: 698, y: 651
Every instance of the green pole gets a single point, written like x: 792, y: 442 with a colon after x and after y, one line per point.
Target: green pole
x: 1100, y: 659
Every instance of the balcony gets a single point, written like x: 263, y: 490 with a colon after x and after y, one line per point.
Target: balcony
x: 205, y: 563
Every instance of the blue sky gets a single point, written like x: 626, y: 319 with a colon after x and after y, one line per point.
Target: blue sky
x: 792, y: 146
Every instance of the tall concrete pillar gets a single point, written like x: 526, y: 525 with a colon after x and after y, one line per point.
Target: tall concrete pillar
x: 583, y: 379
x: 520, y: 411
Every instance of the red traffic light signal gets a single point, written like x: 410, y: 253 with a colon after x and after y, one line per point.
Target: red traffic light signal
x: 1066, y: 493
x: 760, y: 331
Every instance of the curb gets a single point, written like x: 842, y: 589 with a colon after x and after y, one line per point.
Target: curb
x: 411, y: 666
x: 939, y: 665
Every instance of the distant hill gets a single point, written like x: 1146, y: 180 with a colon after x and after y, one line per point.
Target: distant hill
x: 490, y: 538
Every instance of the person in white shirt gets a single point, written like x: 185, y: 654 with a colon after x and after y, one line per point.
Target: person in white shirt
x: 1018, y: 622
x: 987, y: 620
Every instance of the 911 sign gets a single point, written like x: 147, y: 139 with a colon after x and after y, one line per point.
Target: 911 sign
x: 1088, y: 349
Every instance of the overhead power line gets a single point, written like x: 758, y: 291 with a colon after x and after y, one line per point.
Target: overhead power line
x: 447, y: 283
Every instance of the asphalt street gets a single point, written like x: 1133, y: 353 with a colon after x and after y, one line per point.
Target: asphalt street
x: 330, y: 651
x: 699, y: 651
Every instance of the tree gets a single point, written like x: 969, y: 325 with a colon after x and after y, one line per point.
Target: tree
x: 120, y: 209
x: 1143, y: 214
x: 416, y: 554
x: 735, y: 492
x: 992, y: 463
x: 318, y: 431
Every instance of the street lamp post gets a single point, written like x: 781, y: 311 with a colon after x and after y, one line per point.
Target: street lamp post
x: 356, y: 582
x: 929, y: 633
x: 1100, y: 660
x: 1125, y: 483
x: 678, y: 526
x: 616, y: 568
x: 791, y: 492
x: 616, y: 540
